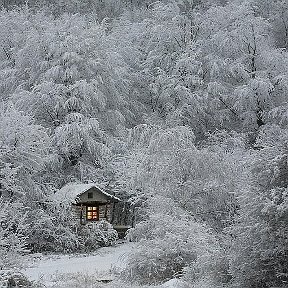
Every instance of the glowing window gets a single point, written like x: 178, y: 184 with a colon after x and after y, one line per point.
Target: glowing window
x: 92, y: 213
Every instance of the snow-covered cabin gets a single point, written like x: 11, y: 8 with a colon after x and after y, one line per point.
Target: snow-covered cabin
x: 89, y: 202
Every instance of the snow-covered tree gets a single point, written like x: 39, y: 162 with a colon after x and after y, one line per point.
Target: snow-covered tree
x: 12, y: 236
x: 24, y: 147
x: 242, y: 64
x: 259, y: 250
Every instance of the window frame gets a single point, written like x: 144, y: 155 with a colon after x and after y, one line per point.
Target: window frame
x: 95, y: 209
x: 90, y: 195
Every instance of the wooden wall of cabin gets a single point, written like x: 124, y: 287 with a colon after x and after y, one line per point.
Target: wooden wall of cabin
x: 105, y: 213
x: 120, y: 214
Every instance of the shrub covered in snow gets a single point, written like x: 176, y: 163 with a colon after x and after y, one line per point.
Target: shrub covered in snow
x: 95, y: 235
x: 12, y: 236
x: 167, y: 246
x: 14, y: 279
x: 76, y: 238
x: 52, y: 228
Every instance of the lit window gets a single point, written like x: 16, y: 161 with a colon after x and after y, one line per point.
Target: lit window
x: 92, y: 213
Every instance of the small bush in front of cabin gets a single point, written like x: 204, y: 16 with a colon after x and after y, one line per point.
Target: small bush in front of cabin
x: 97, y: 234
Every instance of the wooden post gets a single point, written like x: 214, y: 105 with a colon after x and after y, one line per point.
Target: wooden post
x: 81, y: 215
x: 105, y: 213
x: 112, y: 212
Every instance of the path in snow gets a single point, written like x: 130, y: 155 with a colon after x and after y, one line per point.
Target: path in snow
x: 99, y: 263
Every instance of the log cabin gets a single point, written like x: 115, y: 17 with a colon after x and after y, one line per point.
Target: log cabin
x: 89, y: 202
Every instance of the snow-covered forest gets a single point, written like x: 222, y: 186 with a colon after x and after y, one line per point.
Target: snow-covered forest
x: 179, y: 107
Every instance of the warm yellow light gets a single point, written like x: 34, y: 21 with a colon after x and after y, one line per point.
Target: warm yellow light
x: 92, y: 213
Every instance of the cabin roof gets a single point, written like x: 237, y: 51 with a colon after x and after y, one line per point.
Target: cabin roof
x: 71, y: 191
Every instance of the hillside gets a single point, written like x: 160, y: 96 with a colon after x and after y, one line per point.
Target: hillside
x: 176, y: 108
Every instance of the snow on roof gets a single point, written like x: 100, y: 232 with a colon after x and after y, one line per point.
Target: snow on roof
x: 73, y: 190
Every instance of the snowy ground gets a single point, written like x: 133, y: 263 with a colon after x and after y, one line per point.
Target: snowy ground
x: 96, y: 270
x: 99, y: 266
